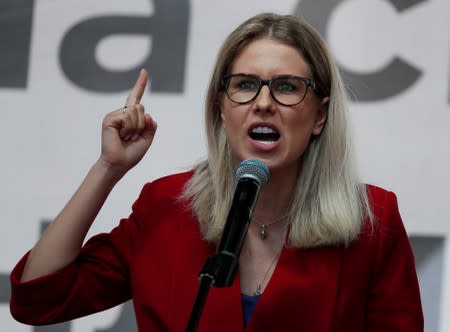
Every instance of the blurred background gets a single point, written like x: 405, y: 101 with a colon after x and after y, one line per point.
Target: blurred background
x: 65, y: 64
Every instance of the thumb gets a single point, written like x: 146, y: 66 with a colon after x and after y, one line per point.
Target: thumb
x: 150, y: 127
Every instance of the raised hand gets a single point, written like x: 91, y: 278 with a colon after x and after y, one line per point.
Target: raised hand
x: 128, y: 132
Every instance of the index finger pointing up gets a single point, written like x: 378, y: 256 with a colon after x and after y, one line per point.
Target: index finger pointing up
x: 138, y: 90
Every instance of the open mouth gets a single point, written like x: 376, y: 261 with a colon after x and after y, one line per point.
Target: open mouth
x: 264, y: 134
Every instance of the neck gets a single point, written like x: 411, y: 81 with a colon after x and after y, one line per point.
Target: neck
x: 270, y: 215
x: 275, y: 197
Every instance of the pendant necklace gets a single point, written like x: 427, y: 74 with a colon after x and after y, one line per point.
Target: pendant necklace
x: 259, y: 286
x: 264, y: 226
x: 258, y: 290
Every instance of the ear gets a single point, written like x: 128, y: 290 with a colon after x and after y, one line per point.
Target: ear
x: 321, y: 117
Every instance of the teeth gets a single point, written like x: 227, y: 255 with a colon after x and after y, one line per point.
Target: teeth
x: 263, y: 130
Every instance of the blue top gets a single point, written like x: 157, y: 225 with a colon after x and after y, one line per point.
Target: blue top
x: 248, y: 306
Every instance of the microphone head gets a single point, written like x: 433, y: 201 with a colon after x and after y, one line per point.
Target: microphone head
x: 254, y: 169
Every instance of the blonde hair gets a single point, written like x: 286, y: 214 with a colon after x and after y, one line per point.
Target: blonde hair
x: 329, y: 203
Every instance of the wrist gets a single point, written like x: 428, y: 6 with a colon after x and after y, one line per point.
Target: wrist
x: 110, y: 174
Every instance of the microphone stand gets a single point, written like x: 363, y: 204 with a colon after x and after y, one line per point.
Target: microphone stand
x: 206, y: 281
x: 208, y: 277
x: 220, y: 269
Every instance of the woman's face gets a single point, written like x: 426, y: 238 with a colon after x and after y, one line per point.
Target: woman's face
x: 288, y: 128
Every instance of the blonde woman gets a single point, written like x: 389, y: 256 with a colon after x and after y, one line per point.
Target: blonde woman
x: 323, y: 251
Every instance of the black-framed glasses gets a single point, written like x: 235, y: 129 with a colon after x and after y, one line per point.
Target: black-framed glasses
x: 288, y: 90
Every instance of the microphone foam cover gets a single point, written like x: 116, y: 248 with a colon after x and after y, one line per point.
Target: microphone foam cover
x: 255, y: 169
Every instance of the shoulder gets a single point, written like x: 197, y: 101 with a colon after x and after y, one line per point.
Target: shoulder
x: 163, y: 191
x: 387, y: 227
x: 158, y: 202
x: 384, y: 206
x: 170, y: 185
x: 379, y: 196
x: 383, y: 241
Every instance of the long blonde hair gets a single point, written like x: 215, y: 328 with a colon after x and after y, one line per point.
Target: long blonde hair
x: 329, y: 203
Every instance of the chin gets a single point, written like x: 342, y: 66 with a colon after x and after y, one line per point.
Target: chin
x: 282, y: 167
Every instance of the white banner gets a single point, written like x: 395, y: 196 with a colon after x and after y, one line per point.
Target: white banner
x: 65, y: 64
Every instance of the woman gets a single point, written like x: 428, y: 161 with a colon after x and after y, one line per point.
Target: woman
x: 323, y: 252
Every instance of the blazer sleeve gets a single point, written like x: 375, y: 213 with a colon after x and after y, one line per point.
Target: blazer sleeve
x: 97, y: 280
x: 394, y: 299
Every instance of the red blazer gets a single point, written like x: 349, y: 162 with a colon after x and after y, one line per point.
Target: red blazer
x: 155, y: 255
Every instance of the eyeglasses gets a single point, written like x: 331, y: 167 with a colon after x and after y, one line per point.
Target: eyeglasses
x: 287, y: 90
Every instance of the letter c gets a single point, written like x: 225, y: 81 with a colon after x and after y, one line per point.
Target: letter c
x: 397, y: 76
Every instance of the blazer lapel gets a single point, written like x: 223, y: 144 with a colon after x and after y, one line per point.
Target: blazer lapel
x: 302, y: 292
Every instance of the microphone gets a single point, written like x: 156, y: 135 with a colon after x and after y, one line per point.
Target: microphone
x: 251, y: 176
x: 219, y: 270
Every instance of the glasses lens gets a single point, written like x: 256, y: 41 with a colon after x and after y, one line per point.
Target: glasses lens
x: 242, y: 88
x: 289, y: 90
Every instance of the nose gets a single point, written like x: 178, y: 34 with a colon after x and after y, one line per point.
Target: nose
x: 264, y: 100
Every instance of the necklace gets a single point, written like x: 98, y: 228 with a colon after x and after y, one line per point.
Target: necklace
x: 263, y: 226
x: 258, y: 290
x: 259, y: 286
